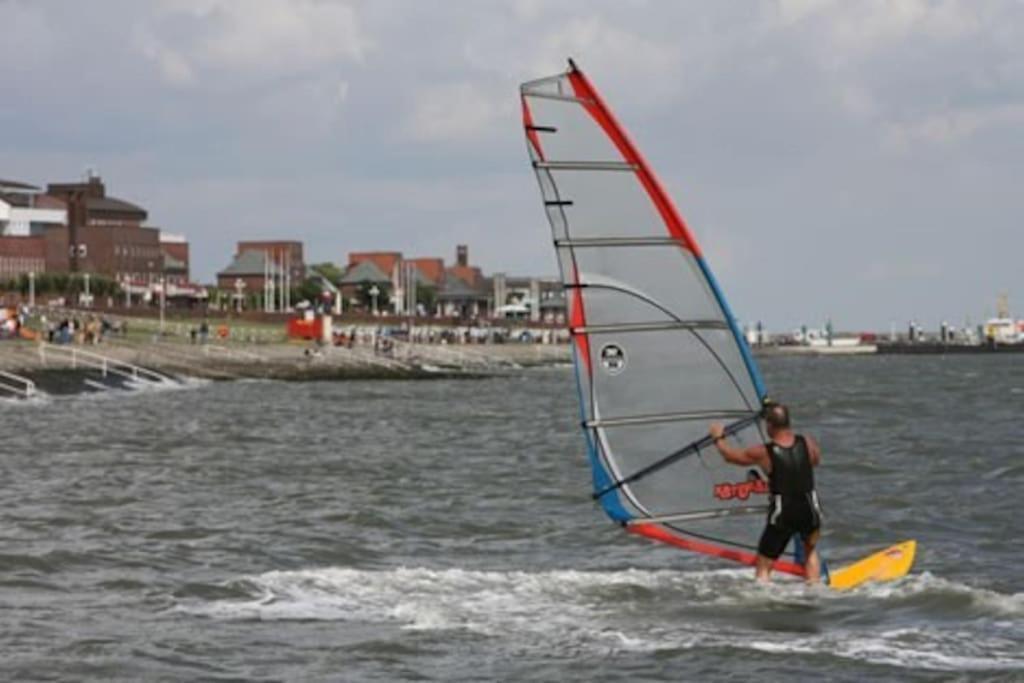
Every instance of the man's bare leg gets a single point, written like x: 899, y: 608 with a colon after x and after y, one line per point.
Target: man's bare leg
x: 812, y: 566
x: 764, y: 568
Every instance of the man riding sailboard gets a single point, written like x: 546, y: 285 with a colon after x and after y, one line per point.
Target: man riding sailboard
x: 789, y: 460
x: 658, y: 355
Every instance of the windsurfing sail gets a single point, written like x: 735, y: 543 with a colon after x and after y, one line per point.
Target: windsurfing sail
x: 658, y: 354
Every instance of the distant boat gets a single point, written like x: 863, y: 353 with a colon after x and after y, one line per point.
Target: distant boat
x: 1004, y: 330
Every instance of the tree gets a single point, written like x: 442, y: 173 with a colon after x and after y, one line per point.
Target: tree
x: 311, y: 290
x: 426, y: 296
x: 60, y: 283
x: 45, y: 283
x: 330, y: 271
x: 104, y: 286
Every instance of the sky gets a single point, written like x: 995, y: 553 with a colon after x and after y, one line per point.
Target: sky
x: 855, y: 160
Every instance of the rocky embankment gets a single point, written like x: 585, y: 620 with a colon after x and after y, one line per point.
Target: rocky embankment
x: 116, y: 361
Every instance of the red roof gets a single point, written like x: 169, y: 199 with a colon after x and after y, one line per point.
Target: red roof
x: 385, y: 260
x: 471, y: 275
x: 431, y: 268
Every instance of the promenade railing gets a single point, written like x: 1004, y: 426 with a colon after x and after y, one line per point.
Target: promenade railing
x: 20, y: 386
x: 107, y: 366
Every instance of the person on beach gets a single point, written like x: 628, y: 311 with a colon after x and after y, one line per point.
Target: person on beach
x: 789, y: 460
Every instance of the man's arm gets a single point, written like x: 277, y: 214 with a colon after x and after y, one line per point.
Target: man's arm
x: 813, y: 451
x: 753, y: 455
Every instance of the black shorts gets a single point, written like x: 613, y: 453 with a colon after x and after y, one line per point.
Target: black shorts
x: 788, y: 516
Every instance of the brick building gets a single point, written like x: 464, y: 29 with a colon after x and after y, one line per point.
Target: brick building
x: 465, y: 293
x: 176, y: 257
x: 254, y: 273
x: 286, y: 254
x: 458, y: 290
x: 106, y: 235
x: 471, y: 275
x: 252, y: 269
x: 20, y: 255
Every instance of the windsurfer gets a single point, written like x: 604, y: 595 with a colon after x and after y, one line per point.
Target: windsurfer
x: 788, y: 459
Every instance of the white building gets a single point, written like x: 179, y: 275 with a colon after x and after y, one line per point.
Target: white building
x: 24, y: 209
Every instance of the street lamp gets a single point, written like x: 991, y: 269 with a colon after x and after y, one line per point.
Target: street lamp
x: 239, y: 286
x: 163, y: 302
x: 374, y: 293
x: 32, y: 289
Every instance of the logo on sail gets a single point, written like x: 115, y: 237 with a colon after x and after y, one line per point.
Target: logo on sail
x: 741, y: 490
x: 613, y: 359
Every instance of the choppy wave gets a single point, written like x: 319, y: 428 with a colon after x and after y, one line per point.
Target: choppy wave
x: 39, y: 398
x: 95, y: 390
x: 137, y: 530
x: 132, y: 388
x: 170, y: 384
x: 634, y: 610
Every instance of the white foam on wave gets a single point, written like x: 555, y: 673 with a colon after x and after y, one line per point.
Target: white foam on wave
x: 38, y: 398
x: 794, y: 592
x: 109, y: 393
x: 986, y: 601
x: 420, y: 598
x: 132, y: 388
x: 910, y: 648
x: 169, y: 384
x: 631, y: 610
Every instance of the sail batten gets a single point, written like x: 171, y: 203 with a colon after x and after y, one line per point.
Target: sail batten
x: 657, y: 351
x: 700, y: 514
x: 585, y: 165
x: 626, y: 420
x: 563, y: 98
x: 650, y: 241
x: 651, y: 327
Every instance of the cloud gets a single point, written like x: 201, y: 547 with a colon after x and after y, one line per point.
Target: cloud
x: 794, y: 11
x: 187, y: 38
x: 811, y: 133
x: 950, y: 127
x: 599, y: 41
x: 915, y: 73
x: 27, y: 36
x: 854, y: 30
x: 452, y: 112
x: 174, y: 67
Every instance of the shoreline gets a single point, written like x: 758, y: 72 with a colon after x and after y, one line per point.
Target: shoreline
x: 117, y: 361
x: 123, y: 360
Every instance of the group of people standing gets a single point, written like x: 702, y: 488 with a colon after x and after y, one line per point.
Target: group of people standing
x: 74, y: 330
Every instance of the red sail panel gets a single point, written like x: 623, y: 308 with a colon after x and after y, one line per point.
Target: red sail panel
x: 659, y: 533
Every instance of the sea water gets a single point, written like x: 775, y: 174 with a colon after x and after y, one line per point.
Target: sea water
x: 442, y: 530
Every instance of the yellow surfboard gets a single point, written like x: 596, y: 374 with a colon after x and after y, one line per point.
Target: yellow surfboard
x: 887, y: 565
